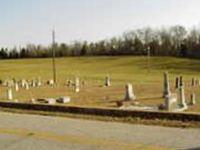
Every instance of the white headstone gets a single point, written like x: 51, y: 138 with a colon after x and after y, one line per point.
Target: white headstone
x: 171, y: 102
x: 33, y: 83
x: 16, y: 87
x: 107, y: 81
x: 193, y: 99
x: 76, y: 85
x: 129, y: 94
x: 33, y: 101
x: 23, y: 83
x: 182, y: 97
x: 9, y: 94
x: 27, y: 86
x: 51, y: 82
x: 38, y: 82
x: 166, y: 87
x: 51, y: 101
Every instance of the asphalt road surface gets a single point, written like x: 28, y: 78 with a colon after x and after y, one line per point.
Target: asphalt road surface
x: 34, y: 132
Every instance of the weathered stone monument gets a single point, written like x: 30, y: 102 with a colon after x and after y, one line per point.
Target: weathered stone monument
x: 107, y: 81
x: 192, y: 99
x: 171, y: 102
x: 166, y: 87
x: 76, y: 85
x: 129, y: 94
x: 9, y: 94
x: 182, y: 97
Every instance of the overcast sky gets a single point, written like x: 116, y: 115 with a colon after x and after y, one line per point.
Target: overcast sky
x: 31, y: 21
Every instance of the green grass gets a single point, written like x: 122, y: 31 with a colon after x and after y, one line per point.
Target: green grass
x: 120, y: 68
x: 94, y: 69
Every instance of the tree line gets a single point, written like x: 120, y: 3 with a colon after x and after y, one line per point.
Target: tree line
x: 171, y: 41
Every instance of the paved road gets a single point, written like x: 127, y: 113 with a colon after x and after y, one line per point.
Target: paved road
x: 32, y: 132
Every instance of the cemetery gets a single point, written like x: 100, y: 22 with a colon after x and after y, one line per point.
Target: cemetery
x: 100, y: 75
x: 125, y: 87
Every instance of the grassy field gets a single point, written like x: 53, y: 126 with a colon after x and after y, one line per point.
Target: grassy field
x: 147, y: 83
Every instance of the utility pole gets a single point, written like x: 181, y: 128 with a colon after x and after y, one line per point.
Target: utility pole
x: 53, y: 56
x: 148, y: 58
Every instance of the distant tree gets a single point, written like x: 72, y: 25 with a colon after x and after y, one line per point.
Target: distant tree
x: 183, y: 50
x: 3, y: 53
x: 171, y: 41
x: 138, y: 46
x: 178, y: 35
x: 23, y: 53
x: 84, y: 49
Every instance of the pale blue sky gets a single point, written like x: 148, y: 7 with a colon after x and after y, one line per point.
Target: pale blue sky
x: 31, y: 21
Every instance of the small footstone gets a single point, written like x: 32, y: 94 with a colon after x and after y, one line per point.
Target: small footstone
x: 33, y: 101
x: 51, y: 101
x: 63, y: 100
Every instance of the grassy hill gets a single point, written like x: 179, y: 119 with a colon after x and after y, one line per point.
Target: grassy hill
x: 147, y: 82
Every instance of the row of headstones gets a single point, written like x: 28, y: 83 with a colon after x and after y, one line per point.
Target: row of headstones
x: 22, y: 83
x: 171, y: 99
x: 37, y: 83
x: 76, y: 83
x: 17, y: 84
x: 171, y: 102
x: 48, y: 100
x: 129, y: 94
x: 195, y: 82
